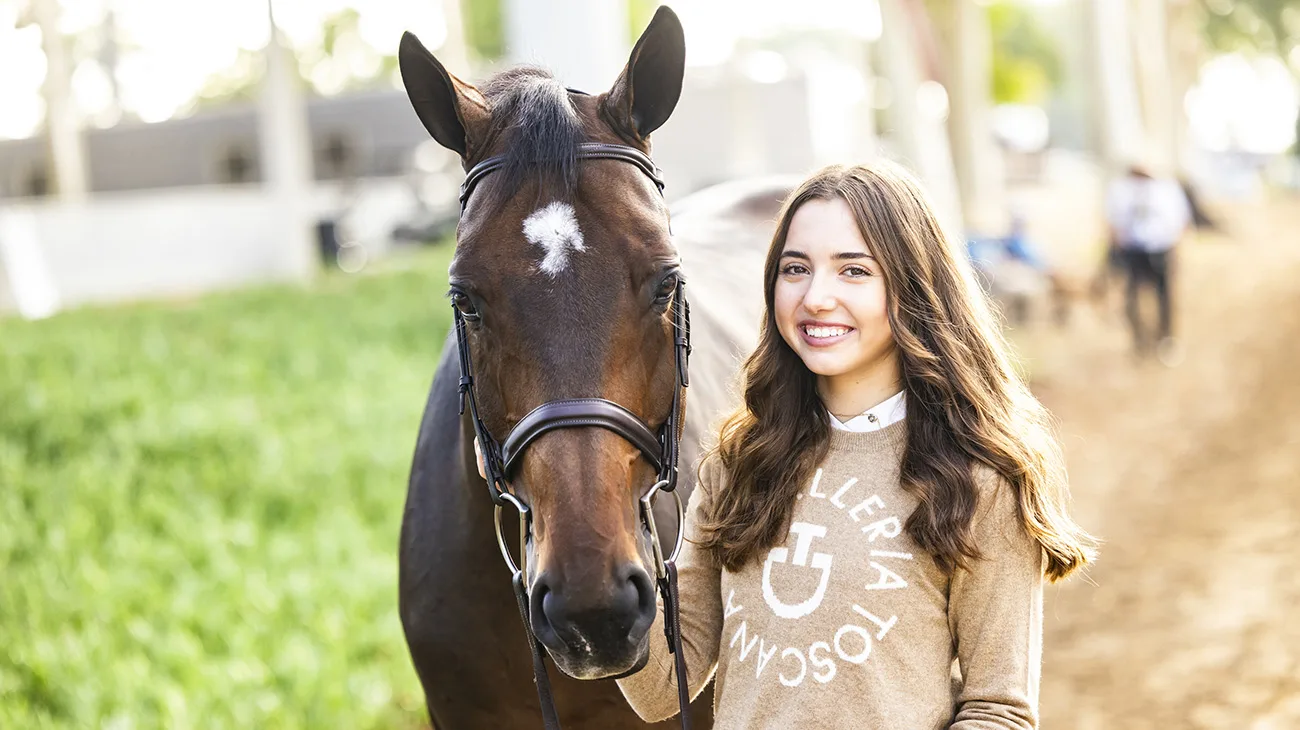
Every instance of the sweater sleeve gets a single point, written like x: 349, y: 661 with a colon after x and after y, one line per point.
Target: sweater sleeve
x: 652, y: 692
x: 996, y: 615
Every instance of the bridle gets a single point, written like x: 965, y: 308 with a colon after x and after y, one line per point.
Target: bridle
x: 660, y: 449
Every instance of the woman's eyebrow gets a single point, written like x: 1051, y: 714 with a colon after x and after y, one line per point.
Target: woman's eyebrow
x: 843, y: 256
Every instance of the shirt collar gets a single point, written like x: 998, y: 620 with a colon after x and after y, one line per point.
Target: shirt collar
x: 885, y: 414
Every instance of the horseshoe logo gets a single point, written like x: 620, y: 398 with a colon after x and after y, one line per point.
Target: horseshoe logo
x: 804, y: 534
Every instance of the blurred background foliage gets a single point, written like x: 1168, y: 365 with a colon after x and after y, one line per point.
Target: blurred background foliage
x: 485, y: 28
x: 338, y: 61
x: 1270, y: 26
x: 1026, y: 65
x: 210, y: 495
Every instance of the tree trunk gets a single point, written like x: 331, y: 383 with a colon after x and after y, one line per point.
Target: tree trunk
x: 62, y: 120
x: 917, y: 134
x: 453, y: 53
x: 1117, y: 118
x: 1159, y: 111
x: 976, y: 160
x: 1186, y: 53
x: 286, y: 155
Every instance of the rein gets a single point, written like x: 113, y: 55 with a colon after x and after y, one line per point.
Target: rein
x: 660, y: 449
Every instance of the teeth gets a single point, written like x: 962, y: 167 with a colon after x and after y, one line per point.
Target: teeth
x: 820, y: 332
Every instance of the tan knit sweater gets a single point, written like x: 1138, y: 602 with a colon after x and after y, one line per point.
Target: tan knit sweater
x: 849, y: 624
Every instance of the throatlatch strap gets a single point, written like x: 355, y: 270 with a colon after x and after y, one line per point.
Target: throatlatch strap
x: 550, y: 720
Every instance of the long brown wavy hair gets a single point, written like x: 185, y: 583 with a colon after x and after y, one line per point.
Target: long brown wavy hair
x: 966, y: 405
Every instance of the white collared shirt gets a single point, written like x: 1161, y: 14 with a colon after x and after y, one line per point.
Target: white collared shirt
x: 884, y: 414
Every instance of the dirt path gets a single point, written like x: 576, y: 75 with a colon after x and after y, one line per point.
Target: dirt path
x: 1192, y: 476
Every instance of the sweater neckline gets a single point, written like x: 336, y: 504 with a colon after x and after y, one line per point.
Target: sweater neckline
x: 888, y: 440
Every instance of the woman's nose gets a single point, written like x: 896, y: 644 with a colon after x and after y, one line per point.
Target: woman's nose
x: 820, y: 296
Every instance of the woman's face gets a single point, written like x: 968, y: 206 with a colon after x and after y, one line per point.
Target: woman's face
x: 830, y: 296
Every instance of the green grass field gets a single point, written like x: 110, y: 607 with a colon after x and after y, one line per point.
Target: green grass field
x: 200, y: 501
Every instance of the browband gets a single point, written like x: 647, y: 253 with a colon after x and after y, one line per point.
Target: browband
x: 586, y: 151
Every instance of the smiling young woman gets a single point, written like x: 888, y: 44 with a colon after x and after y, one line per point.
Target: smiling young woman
x: 829, y: 305
x: 869, y: 541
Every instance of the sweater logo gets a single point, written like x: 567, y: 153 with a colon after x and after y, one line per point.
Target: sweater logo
x: 859, y: 628
x: 803, y: 533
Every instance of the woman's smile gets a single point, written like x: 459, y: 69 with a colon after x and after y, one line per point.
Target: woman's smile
x: 824, y: 334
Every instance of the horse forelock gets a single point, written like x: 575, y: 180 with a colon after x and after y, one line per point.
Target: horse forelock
x: 540, y: 129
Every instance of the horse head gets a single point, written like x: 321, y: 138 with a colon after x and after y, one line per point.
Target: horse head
x: 565, y: 281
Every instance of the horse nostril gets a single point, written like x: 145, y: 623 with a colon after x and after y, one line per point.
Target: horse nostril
x: 540, y: 605
x: 643, y: 590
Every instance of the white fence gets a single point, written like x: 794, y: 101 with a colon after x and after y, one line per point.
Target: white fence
x: 169, y: 243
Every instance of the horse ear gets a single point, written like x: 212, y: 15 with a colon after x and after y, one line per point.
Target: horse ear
x: 647, y: 91
x: 454, y: 112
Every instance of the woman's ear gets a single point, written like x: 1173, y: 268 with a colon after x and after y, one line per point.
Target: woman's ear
x: 647, y: 91
x: 454, y: 112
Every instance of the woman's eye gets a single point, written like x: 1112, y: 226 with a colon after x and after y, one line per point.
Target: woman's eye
x: 794, y: 270
x: 856, y: 271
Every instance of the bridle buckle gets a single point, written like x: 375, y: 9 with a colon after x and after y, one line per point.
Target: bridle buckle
x: 525, y: 522
x: 648, y: 517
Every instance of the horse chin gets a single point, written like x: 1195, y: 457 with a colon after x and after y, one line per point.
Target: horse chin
x: 585, y: 666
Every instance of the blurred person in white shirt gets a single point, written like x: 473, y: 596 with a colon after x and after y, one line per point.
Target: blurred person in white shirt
x: 1148, y: 215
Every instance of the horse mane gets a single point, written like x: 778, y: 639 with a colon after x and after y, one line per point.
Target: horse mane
x: 542, y: 132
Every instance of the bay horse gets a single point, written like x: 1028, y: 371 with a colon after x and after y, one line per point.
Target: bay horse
x: 564, y: 282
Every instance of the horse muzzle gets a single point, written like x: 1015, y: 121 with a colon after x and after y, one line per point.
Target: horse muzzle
x: 595, y: 634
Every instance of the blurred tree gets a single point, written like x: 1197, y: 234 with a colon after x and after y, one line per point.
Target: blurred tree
x: 1026, y: 62
x: 966, y: 35
x: 1253, y: 26
x: 907, y: 56
x: 109, y: 47
x: 639, y: 13
x: 1115, y: 105
x: 1152, y: 69
x: 238, y: 82
x: 1187, y: 51
x: 340, y: 61
x: 485, y: 29
x: 344, y: 61
x: 1269, y: 26
x: 477, y: 25
x: 62, y: 118
x: 454, y: 53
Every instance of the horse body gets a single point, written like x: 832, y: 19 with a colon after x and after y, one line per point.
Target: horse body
x: 458, y: 610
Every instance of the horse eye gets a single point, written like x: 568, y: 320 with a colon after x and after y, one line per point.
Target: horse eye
x: 666, y: 289
x: 465, y: 306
